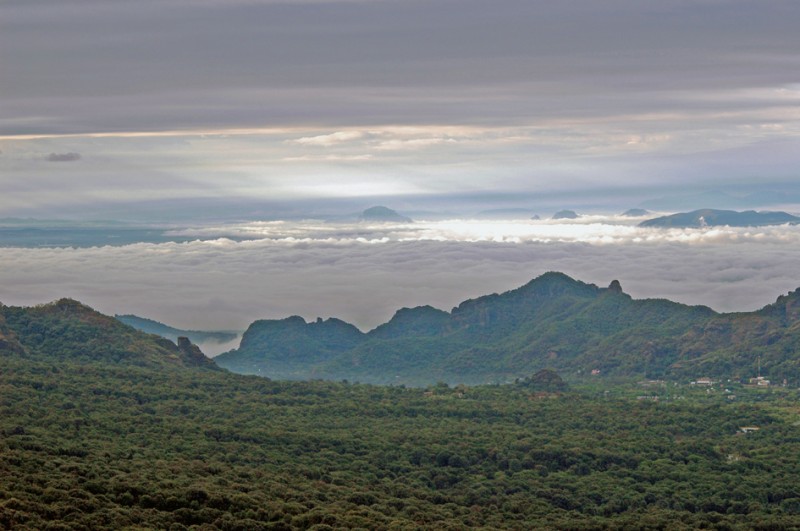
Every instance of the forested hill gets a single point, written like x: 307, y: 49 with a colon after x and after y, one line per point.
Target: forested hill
x: 554, y: 321
x: 104, y: 427
x: 67, y: 330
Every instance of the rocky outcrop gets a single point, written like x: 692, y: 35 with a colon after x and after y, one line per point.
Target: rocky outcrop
x: 191, y: 352
x: 615, y: 287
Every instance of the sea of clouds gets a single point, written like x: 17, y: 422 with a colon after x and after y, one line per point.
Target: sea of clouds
x: 362, y: 273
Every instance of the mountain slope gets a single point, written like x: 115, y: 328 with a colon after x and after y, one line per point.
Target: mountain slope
x: 66, y: 330
x: 290, y: 347
x: 553, y: 321
x: 741, y: 342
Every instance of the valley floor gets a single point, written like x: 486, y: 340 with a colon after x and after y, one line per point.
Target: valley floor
x: 91, y: 446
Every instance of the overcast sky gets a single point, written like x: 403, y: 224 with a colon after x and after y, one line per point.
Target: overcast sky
x: 616, y: 100
x: 186, y: 109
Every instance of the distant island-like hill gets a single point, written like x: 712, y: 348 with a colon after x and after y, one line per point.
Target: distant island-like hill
x: 383, y: 214
x: 708, y: 217
x: 635, y: 212
x: 566, y: 214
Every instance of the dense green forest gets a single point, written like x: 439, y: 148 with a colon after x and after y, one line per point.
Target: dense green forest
x: 553, y: 321
x: 92, y: 445
x: 132, y: 431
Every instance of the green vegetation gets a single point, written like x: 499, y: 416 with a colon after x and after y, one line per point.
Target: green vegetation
x: 68, y: 331
x: 105, y: 440
x: 552, y: 322
x: 91, y: 446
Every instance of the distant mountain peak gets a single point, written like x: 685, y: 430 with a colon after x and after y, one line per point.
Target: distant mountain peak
x: 422, y: 321
x: 635, y: 212
x: 383, y: 214
x: 566, y: 214
x: 556, y: 282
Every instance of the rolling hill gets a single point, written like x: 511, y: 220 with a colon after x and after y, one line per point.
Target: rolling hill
x: 67, y: 330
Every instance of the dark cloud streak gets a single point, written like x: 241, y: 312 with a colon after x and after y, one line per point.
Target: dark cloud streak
x: 63, y: 157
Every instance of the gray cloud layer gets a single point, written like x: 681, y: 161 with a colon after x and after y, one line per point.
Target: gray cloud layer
x: 87, y: 66
x: 222, y: 284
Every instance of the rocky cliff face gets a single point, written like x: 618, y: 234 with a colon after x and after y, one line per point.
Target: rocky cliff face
x: 786, y: 308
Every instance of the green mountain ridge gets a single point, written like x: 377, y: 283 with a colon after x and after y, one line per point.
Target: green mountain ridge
x: 553, y: 322
x: 66, y: 330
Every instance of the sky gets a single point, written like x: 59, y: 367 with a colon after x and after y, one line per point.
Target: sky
x: 199, y: 114
x: 609, y: 102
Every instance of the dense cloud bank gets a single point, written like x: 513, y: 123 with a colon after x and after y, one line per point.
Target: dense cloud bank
x: 363, y: 277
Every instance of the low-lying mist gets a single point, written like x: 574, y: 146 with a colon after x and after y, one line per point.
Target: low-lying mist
x: 234, y: 274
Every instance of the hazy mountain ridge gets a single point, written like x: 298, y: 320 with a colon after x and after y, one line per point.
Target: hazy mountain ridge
x: 67, y: 330
x: 553, y: 321
x: 383, y: 214
x: 151, y: 326
x: 709, y: 217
